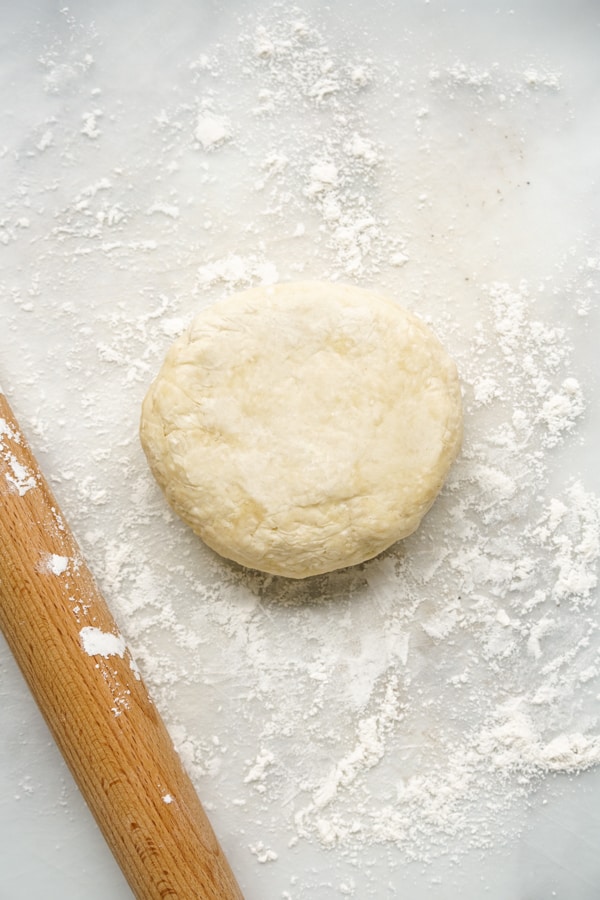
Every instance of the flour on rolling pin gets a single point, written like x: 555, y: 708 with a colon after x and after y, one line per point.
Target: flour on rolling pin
x: 19, y: 477
x: 94, y: 642
x: 22, y: 480
x: 101, y: 643
x: 55, y: 564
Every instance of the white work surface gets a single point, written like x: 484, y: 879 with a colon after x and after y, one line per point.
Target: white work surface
x: 422, y: 726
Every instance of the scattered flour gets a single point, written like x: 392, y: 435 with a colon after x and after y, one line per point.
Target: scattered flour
x: 262, y: 853
x: 211, y: 131
x: 415, y: 700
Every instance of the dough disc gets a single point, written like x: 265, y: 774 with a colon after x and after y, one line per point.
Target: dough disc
x: 304, y: 427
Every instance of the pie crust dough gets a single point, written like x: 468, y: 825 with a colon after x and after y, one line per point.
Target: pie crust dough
x: 303, y: 427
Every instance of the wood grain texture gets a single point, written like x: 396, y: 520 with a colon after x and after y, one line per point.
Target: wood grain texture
x: 96, y: 706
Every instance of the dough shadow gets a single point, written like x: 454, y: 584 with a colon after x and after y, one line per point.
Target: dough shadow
x: 330, y: 588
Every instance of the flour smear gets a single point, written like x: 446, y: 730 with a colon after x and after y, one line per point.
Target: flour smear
x: 412, y: 702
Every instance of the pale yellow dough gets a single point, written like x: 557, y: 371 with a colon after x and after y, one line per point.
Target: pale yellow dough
x: 304, y: 427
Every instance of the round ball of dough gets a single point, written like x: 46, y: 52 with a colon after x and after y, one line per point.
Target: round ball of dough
x: 303, y: 427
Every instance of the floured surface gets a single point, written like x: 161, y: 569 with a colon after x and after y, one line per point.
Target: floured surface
x: 426, y: 723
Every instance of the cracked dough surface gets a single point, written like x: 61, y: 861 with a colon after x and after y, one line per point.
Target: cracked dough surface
x: 303, y: 427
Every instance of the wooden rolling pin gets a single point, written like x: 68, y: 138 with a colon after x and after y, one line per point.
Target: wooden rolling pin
x: 90, y: 693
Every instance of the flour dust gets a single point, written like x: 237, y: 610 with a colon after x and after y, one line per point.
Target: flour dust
x: 416, y: 699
